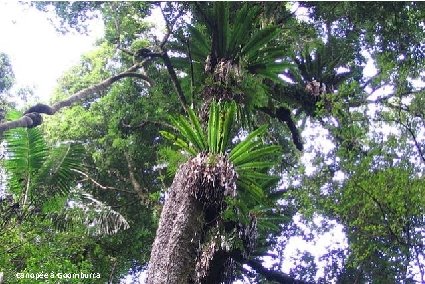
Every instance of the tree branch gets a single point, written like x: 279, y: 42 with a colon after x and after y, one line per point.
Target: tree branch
x: 273, y: 275
x: 98, y: 88
x: 99, y: 185
x: 384, y: 217
x: 415, y: 140
x: 32, y: 117
x: 169, y: 25
x: 176, y: 83
x: 144, y: 123
x: 141, y: 192
x: 174, y: 79
x: 284, y: 115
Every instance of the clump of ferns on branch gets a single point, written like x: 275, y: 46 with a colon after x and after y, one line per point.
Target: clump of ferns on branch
x: 251, y: 159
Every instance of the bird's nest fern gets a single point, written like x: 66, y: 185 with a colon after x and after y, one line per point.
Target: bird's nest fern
x: 251, y: 158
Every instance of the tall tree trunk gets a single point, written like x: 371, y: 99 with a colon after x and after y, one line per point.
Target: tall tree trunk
x: 194, y: 200
x: 177, y: 238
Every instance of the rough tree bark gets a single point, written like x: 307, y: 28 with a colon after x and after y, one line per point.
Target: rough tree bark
x: 193, y: 204
x: 174, y: 250
x: 32, y: 117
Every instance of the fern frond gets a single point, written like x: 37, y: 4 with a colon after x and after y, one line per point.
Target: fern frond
x: 261, y: 152
x: 242, y: 27
x: 200, y: 44
x: 198, y: 129
x: 189, y: 133
x: 227, y: 126
x: 212, y: 127
x: 251, y: 188
x: 248, y: 144
x: 221, y: 11
x: 220, y: 123
x: 256, y: 165
x: 178, y: 142
x: 258, y: 40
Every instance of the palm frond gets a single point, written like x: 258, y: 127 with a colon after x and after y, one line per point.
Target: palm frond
x: 58, y: 173
x: 26, y: 152
x: 83, y: 209
x: 102, y: 218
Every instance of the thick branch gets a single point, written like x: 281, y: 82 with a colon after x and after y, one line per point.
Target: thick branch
x: 284, y: 115
x: 141, y: 192
x: 94, y: 90
x: 169, y: 25
x: 273, y: 275
x: 176, y: 83
x: 24, y: 121
x: 32, y: 116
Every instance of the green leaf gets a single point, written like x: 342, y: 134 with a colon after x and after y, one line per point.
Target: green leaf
x: 248, y: 143
x: 27, y: 152
x: 212, y: 127
x: 198, y: 129
x: 227, y: 126
x: 248, y: 173
x: 259, y: 39
x: 180, y: 63
x: 256, y: 154
x: 201, y: 45
x: 189, y: 134
x: 256, y: 165
x: 244, y: 20
x: 221, y: 11
x: 58, y: 172
x: 221, y: 117
x: 178, y: 142
x: 251, y: 188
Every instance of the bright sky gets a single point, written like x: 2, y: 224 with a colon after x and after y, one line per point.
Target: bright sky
x: 38, y: 53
